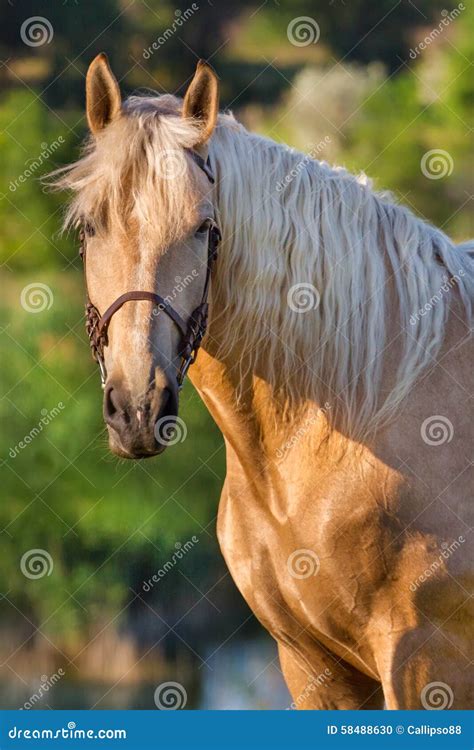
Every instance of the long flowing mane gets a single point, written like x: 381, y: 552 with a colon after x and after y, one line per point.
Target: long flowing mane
x: 312, y: 263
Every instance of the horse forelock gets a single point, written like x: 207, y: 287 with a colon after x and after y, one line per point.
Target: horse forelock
x: 137, y: 171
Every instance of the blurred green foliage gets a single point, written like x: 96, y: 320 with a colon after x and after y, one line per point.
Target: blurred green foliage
x: 428, y: 106
x: 32, y: 142
x: 109, y: 525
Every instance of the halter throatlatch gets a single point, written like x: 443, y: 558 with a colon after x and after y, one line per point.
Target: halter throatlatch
x: 192, y: 331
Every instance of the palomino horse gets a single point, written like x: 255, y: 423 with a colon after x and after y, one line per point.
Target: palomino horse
x: 335, y: 364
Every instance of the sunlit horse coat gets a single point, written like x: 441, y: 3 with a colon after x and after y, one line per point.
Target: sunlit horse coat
x: 336, y: 366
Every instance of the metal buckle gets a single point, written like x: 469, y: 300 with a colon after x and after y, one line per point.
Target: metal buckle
x: 103, y: 371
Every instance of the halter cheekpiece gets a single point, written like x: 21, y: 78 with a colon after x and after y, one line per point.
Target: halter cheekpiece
x: 192, y: 331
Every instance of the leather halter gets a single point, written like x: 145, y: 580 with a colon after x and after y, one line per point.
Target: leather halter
x: 192, y: 331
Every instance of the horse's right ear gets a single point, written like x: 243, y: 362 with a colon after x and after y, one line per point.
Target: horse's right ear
x: 201, y: 102
x: 103, y: 101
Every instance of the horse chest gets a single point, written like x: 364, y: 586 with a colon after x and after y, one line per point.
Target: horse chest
x: 289, y: 569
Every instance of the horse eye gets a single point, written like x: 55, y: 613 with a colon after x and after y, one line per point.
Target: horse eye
x: 89, y: 230
x: 204, y: 227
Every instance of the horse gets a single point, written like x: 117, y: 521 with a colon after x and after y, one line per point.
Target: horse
x: 335, y: 363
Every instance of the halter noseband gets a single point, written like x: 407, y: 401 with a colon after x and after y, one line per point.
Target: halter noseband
x: 192, y: 331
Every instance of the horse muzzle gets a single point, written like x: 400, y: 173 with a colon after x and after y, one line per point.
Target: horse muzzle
x: 140, y: 430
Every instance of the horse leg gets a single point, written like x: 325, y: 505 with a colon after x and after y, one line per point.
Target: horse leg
x: 332, y: 683
x: 427, y: 670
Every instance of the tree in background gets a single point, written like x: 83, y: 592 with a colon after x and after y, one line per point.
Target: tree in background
x: 390, y: 125
x: 414, y: 135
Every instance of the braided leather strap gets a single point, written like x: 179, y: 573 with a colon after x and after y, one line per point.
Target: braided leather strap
x: 97, y: 340
x: 197, y: 326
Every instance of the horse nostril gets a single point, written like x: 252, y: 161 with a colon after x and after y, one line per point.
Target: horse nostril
x: 115, y: 409
x: 110, y: 408
x: 166, y: 416
x: 165, y: 400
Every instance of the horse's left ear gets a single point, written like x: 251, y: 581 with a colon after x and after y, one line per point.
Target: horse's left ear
x: 202, y: 101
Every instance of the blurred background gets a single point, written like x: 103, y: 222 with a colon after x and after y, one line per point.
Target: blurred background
x: 375, y: 87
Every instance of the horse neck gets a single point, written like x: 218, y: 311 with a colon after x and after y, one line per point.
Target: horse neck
x: 259, y: 223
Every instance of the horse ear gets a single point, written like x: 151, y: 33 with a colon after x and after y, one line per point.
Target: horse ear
x: 202, y: 101
x: 103, y: 99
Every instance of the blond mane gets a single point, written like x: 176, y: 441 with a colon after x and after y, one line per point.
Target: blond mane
x: 310, y: 260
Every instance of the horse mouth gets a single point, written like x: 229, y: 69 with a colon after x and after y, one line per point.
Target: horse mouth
x: 134, y: 450
x: 137, y: 455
